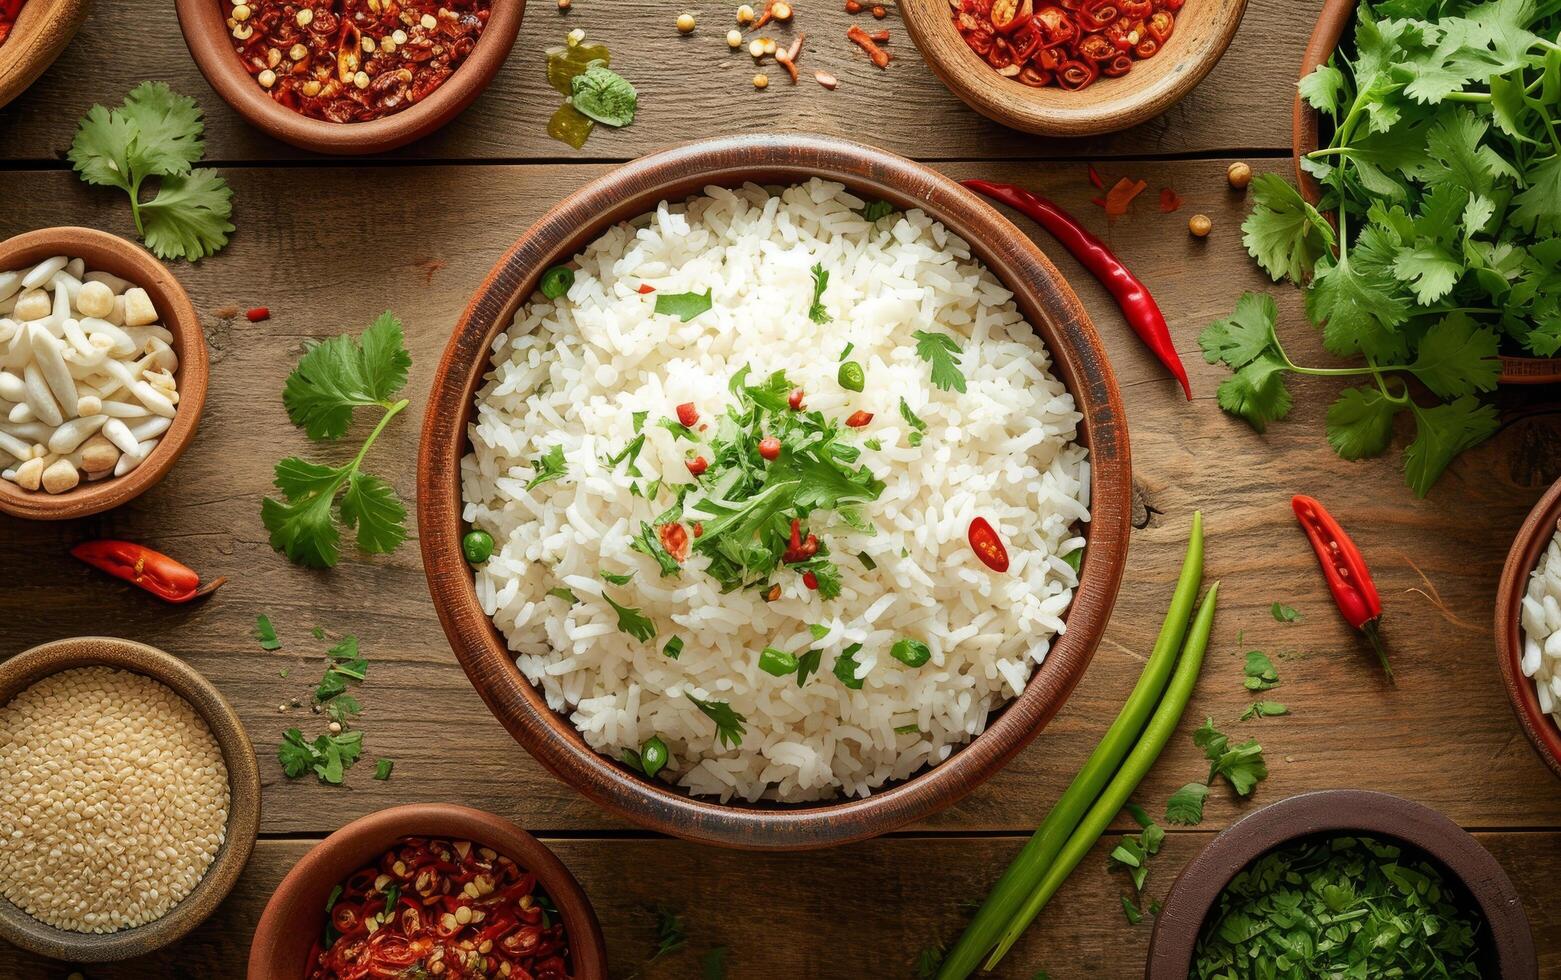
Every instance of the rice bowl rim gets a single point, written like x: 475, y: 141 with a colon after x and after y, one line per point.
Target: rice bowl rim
x: 1528, y: 546
x: 243, y: 823
x: 1043, y: 297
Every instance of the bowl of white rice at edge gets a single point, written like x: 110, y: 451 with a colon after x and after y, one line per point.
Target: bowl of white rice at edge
x: 774, y: 491
x: 129, y: 799
x: 1528, y: 626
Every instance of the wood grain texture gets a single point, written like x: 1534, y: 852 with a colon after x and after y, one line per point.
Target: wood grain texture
x: 866, y: 914
x: 1445, y: 735
x: 689, y: 87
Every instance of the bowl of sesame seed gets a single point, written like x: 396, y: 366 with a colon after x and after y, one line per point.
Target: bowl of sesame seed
x: 129, y: 799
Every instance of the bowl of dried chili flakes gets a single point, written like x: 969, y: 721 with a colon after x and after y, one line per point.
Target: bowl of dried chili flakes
x: 349, y: 78
x: 1072, y: 67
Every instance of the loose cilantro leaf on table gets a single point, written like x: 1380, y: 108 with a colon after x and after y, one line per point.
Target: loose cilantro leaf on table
x: 1260, y: 672
x: 1185, y: 807
x: 331, y: 381
x: 1241, y: 765
x: 150, y: 141
x: 266, y: 633
x: 942, y: 352
x: 1264, y: 709
x: 1285, y: 614
x: 328, y: 756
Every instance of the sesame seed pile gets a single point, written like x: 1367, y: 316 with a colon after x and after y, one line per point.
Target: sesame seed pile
x: 113, y: 799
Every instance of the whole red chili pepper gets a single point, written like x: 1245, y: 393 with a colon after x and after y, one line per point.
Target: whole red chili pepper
x: 1138, y: 306
x: 1345, y: 570
x: 151, y: 570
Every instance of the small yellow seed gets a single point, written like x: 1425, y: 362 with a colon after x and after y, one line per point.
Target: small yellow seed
x: 361, y: 79
x: 298, y: 52
x: 745, y: 14
x: 575, y: 37
x: 428, y: 22
x: 756, y: 48
x: 564, y: 5
x: 769, y: 45
x: 305, y: 17
x: 266, y: 78
x: 780, y: 10
x: 1200, y: 225
x: 734, y: 39
x: 1239, y: 175
x: 685, y: 23
x: 241, y: 12
x: 761, y: 80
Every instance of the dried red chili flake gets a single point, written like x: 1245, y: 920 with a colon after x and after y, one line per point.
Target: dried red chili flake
x: 869, y: 43
x: 258, y: 313
x: 1121, y: 195
x: 360, y: 62
x: 1070, y: 43
x: 688, y: 414
x: 1169, y: 200
x: 810, y: 580
x: 675, y: 539
x: 697, y: 465
x: 859, y: 419
x: 1095, y: 178
x: 645, y: 288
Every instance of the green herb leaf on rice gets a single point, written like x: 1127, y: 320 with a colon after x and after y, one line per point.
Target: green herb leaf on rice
x: 684, y: 306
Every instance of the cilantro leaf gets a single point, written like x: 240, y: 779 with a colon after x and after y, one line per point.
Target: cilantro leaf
x: 548, y: 467
x: 382, y: 768
x: 188, y: 219
x: 846, y: 665
x: 684, y: 306
x: 728, y: 723
x: 943, y: 353
x: 872, y: 211
x: 1285, y: 614
x: 266, y: 633
x: 1185, y: 807
x: 1457, y: 357
x: 1358, y: 305
x: 807, y: 665
x: 302, y: 527
x: 1284, y: 233
x: 1322, y: 88
x: 1248, y: 333
x: 816, y: 311
x: 918, y: 427
x: 1257, y: 392
x: 167, y: 130
x: 648, y: 542
x: 632, y: 621
x: 341, y: 374
x: 1538, y: 207
x: 616, y: 579
x: 1360, y: 423
x: 370, y: 506
x: 1442, y: 432
x: 1264, y: 709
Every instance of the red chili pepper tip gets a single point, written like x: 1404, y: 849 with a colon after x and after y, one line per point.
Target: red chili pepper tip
x: 987, y: 545
x: 258, y: 313
x: 810, y: 580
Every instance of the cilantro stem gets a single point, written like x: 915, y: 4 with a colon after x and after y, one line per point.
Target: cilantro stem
x: 391, y: 411
x: 1467, y: 96
x: 135, y: 205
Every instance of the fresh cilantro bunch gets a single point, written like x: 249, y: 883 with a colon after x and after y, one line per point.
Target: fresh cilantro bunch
x: 1444, y: 174
x: 332, y: 381
x: 156, y: 135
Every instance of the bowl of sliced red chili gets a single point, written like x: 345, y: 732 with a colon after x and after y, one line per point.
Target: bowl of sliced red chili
x: 1075, y: 67
x: 353, y: 79
x: 428, y: 889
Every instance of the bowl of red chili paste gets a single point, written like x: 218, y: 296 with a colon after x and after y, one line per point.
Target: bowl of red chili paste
x: 349, y: 77
x: 1072, y: 67
x: 428, y: 890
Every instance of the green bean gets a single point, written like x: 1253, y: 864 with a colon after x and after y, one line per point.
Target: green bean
x: 1026, y: 871
x: 1133, y: 771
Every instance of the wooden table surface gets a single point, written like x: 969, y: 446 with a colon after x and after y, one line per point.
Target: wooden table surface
x: 329, y: 243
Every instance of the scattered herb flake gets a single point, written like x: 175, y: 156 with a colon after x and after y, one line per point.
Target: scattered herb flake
x: 382, y: 768
x: 942, y: 352
x: 816, y: 311
x: 266, y: 633
x: 684, y: 306
x: 728, y: 723
x: 1285, y: 614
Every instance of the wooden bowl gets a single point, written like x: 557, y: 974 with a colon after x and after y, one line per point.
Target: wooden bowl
x: 1202, y: 33
x: 1508, y: 945
x: 675, y: 174
x: 1532, y: 540
x: 27, y: 668
x: 295, y: 915
x: 1306, y: 136
x: 108, y: 253
x: 206, y: 33
x: 40, y: 33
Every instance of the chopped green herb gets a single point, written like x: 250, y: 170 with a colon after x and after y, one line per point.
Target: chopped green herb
x: 1260, y: 671
x: 1185, y: 807
x: 873, y: 211
x: 670, y: 936
x: 632, y: 621
x: 713, y: 965
x: 1241, y: 765
x: 846, y: 350
x: 1264, y: 709
x: 846, y: 665
x: 777, y: 663
x: 684, y: 306
x: 631, y: 452
x: 1285, y: 614
x: 328, y: 756
x: 816, y: 311
x: 617, y: 579
x: 317, y: 633
x: 266, y: 633
x: 564, y: 594
x: 557, y: 280
x: 918, y: 427
x: 1075, y: 559
x: 648, y: 542
x: 678, y: 429
x: 673, y: 648
x: 929, y: 959
x: 343, y: 664
x: 382, y: 769
x: 549, y: 466
x: 911, y: 729
x: 653, y: 756
x: 728, y: 723
x: 942, y: 352
x: 343, y: 709
x: 819, y: 630
x: 911, y: 653
x: 807, y: 665
x: 866, y: 560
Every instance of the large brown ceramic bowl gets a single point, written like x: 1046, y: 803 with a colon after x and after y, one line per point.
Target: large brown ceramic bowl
x: 204, y: 23
x: 675, y: 174
x: 1478, y: 882
x: 109, y: 253
x: 1202, y: 33
x: 295, y: 916
x: 25, y: 669
x: 1527, y: 548
x: 41, y: 32
x: 1335, y: 21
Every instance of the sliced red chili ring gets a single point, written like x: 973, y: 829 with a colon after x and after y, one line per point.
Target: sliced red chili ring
x: 1001, y: 56
x: 1010, y: 15
x: 1034, y: 77
x: 1160, y: 25
x: 1147, y: 48
x: 987, y: 545
x: 1119, y: 65
x: 1096, y: 48
x: 1075, y: 75
x: 1122, y: 34
x: 1135, y: 8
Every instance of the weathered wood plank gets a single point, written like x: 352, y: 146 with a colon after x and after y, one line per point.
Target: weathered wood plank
x: 869, y: 915
x: 1444, y: 735
x: 689, y: 87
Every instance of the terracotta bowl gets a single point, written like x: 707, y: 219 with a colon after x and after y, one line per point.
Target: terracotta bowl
x: 41, y: 32
x: 25, y: 669
x: 675, y: 174
x: 295, y: 915
x: 1527, y: 548
x: 109, y: 253
x: 1481, y: 884
x: 206, y: 33
x: 1202, y: 33
x: 1336, y: 20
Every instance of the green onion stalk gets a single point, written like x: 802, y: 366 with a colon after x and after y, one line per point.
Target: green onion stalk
x: 1025, y: 873
x: 1133, y: 771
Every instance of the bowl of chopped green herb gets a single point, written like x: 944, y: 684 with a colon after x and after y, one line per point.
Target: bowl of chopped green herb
x: 1342, y: 883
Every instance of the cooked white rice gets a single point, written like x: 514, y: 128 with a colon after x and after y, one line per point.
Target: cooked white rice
x: 574, y: 371
x: 1541, y: 618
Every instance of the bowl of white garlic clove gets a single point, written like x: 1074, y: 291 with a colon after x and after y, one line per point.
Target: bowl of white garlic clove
x: 102, y: 372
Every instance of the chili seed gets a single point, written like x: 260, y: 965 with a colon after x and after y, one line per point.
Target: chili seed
x: 769, y: 448
x: 1239, y: 175
x: 685, y: 23
x: 400, y: 36
x: 298, y: 52
x: 851, y: 376
x: 563, y: 4
x: 880, y: 12
x: 761, y: 80
x: 780, y: 10
x: 745, y: 14
x: 1200, y: 225
x: 305, y: 17
x: 428, y: 22
x: 859, y: 419
x: 241, y: 12
x: 266, y: 78
x: 361, y: 79
x: 734, y: 39
x: 853, y: 7
x: 756, y: 48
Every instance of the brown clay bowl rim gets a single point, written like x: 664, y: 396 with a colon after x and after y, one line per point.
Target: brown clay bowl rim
x: 628, y: 192
x: 206, y: 35
x: 110, y: 253
x: 1305, y: 136
x: 296, y: 908
x: 30, y: 666
x: 35, y: 42
x: 1107, y: 106
x: 1531, y: 540
x: 1346, y: 812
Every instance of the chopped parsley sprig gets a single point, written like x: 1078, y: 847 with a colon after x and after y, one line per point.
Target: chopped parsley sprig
x: 943, y: 353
